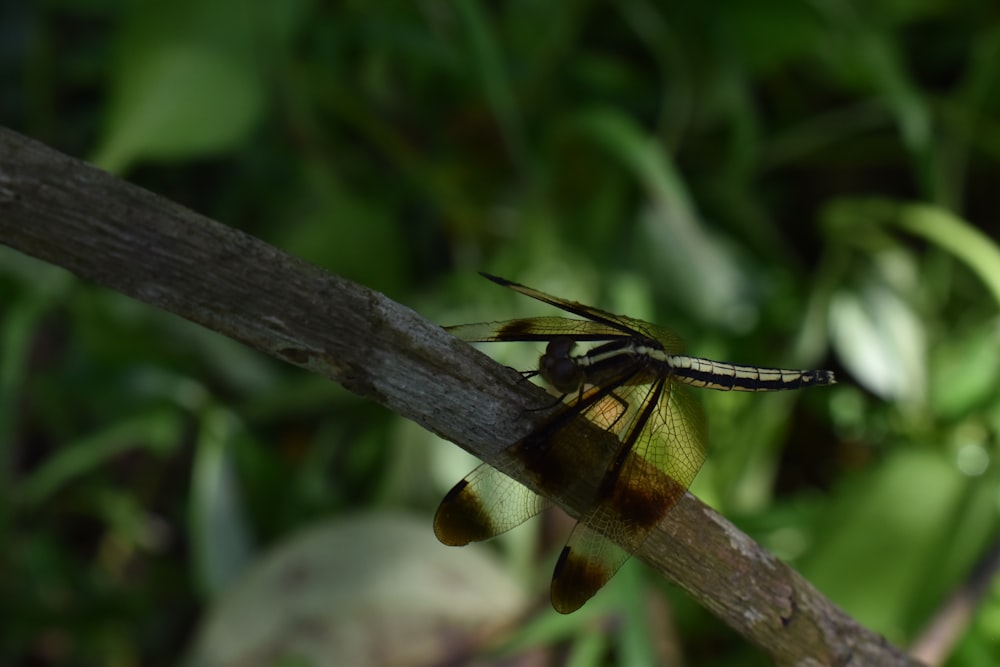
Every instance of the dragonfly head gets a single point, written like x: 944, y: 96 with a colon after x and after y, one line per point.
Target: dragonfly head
x: 558, y: 368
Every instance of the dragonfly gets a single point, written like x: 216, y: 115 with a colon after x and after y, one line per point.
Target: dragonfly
x: 633, y: 381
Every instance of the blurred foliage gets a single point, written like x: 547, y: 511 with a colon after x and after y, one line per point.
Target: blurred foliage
x: 785, y: 183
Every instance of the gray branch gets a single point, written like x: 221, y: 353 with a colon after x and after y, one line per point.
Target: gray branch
x: 106, y: 231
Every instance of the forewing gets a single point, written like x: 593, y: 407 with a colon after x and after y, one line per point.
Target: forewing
x: 484, y: 504
x: 534, y: 329
x: 620, y: 323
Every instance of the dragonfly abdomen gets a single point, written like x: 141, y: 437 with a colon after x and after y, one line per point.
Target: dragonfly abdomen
x: 723, y: 376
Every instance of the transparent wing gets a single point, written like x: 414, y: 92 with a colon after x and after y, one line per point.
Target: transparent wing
x: 620, y: 324
x: 535, y: 329
x: 663, y: 447
x: 483, y: 505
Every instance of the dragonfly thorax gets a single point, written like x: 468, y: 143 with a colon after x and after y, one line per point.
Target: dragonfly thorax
x: 624, y: 360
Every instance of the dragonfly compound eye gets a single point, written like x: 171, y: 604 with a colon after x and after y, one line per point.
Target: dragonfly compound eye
x: 558, y: 368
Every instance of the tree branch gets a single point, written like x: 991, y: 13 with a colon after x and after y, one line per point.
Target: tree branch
x: 107, y: 231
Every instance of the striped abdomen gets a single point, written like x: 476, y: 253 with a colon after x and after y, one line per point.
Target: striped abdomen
x: 733, y: 377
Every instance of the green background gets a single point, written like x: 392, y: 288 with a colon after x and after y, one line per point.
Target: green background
x: 784, y: 183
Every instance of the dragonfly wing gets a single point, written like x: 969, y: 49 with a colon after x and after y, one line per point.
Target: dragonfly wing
x: 674, y: 442
x: 484, y: 504
x: 663, y: 447
x: 587, y: 562
x: 535, y: 329
x: 589, y: 312
x: 618, y: 323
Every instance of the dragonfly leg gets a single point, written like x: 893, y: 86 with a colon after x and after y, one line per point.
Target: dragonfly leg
x: 525, y: 375
x: 547, y: 406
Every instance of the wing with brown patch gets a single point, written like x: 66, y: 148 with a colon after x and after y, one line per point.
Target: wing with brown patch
x: 663, y: 447
x: 535, y: 329
x: 484, y: 504
x: 622, y: 324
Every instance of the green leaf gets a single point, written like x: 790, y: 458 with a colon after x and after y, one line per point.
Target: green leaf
x: 888, y: 529
x: 965, y: 371
x: 220, y: 532
x: 972, y: 247
x: 881, y: 341
x: 182, y: 101
x: 187, y: 78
